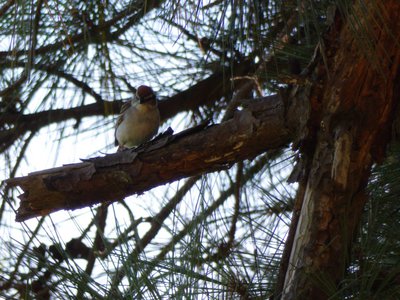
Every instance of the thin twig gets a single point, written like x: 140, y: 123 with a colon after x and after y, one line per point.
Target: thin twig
x: 6, y: 6
x: 259, y: 164
x: 156, y: 224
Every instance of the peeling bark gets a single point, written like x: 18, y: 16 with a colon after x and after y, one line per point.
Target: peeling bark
x: 259, y: 126
x: 354, y: 107
x: 339, y: 120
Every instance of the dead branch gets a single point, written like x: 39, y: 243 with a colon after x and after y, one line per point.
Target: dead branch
x: 259, y: 126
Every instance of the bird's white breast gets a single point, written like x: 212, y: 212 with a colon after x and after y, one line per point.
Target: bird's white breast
x: 140, y: 123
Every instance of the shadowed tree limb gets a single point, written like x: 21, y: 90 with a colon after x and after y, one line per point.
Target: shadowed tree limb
x: 259, y: 126
x: 190, y: 99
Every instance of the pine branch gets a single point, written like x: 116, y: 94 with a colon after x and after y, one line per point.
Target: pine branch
x: 187, y: 100
x: 6, y: 7
x: 257, y: 127
x: 128, y: 17
x: 254, y: 169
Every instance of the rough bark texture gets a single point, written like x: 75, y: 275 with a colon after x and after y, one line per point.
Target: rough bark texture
x: 340, y: 120
x: 348, y: 129
x: 259, y: 126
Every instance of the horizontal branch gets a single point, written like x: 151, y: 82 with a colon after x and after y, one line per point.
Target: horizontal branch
x: 259, y: 126
x: 217, y: 85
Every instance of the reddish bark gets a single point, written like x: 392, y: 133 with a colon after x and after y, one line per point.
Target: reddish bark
x: 354, y: 103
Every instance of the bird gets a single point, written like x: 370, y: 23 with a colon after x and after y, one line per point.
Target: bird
x: 139, y: 119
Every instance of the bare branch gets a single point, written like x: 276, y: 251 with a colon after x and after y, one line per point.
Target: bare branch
x: 216, y: 86
x: 253, y: 130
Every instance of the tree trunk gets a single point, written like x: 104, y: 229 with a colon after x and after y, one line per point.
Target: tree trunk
x: 351, y: 114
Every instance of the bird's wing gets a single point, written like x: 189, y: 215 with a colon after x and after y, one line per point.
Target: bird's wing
x: 124, y: 108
